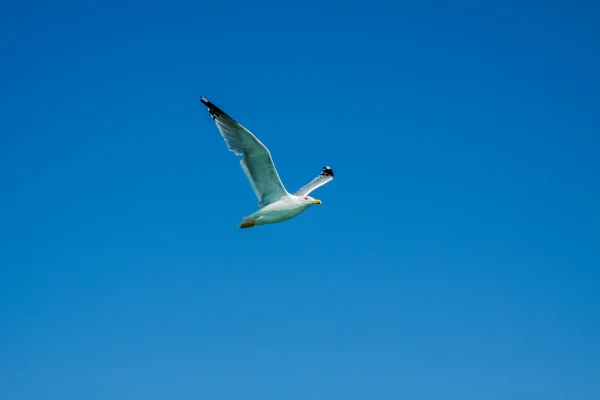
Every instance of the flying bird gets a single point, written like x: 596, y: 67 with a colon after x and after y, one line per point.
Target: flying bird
x: 275, y: 204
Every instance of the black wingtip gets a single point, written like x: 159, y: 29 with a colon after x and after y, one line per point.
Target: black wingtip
x: 212, y: 109
x: 327, y: 171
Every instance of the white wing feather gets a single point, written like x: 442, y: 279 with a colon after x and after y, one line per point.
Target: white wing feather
x: 325, y: 176
x: 257, y: 163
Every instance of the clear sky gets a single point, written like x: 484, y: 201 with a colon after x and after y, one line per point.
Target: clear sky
x: 456, y: 254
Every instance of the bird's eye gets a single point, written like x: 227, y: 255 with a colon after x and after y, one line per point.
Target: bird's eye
x: 306, y: 198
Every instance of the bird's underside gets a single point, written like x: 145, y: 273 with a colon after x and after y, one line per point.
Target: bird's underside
x: 275, y: 203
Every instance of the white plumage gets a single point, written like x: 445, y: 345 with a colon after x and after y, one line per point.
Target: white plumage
x: 274, y: 202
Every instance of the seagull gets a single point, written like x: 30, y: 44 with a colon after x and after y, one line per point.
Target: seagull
x: 275, y: 204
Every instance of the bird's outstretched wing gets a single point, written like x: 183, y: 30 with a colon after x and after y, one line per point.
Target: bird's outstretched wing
x: 325, y: 176
x: 257, y: 162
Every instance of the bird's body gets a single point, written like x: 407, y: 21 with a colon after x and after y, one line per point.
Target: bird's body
x: 283, y: 209
x: 274, y: 201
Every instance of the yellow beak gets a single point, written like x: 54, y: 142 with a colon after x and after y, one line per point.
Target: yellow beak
x: 317, y: 202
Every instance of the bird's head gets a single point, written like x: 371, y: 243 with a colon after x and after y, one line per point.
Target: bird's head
x: 310, y: 201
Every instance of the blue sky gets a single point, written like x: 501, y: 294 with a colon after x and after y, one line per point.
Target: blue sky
x: 456, y: 254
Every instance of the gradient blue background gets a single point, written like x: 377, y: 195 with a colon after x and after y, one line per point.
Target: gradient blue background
x: 456, y: 254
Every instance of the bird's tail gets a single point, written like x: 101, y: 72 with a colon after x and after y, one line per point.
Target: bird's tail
x: 247, y: 222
